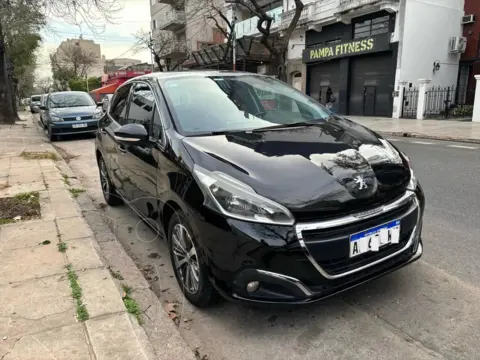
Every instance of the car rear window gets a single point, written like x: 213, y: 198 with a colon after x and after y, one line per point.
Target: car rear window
x: 36, y: 98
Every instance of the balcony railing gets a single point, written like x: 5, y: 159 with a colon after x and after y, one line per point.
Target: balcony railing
x: 305, y: 16
x: 174, y: 49
x: 249, y: 27
x: 174, y: 20
x: 347, y: 5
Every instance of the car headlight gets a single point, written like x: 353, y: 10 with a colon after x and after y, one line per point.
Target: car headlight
x: 55, y: 118
x: 238, y: 200
x: 412, y: 185
x: 97, y: 114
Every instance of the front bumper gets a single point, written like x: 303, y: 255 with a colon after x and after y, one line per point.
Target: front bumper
x: 70, y: 127
x: 306, y: 263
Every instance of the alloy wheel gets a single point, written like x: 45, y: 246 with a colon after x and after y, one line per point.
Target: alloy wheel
x: 104, y: 179
x: 185, y: 258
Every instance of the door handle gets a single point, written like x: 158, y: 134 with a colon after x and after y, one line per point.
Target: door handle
x: 103, y: 131
x: 121, y: 149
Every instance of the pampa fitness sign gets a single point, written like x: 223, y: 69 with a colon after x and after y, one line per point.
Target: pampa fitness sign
x: 349, y: 48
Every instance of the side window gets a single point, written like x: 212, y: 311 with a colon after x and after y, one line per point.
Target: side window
x: 119, y: 105
x: 141, y: 106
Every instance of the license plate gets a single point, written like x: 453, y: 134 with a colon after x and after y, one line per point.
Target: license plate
x: 75, y: 126
x: 373, y: 239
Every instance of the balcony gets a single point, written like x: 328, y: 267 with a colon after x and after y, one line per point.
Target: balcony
x: 249, y: 27
x: 174, y: 20
x: 305, y: 16
x: 174, y: 49
x: 367, y: 5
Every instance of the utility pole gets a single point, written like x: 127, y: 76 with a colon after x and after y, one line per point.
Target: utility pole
x: 86, y: 78
x: 151, y: 53
x: 234, y: 39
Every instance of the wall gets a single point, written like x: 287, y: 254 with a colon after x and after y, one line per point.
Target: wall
x: 427, y: 28
x: 472, y: 31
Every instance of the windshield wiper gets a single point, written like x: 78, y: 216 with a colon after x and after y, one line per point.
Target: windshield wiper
x: 284, y: 126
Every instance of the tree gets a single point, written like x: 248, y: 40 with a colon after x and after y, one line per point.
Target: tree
x: 45, y: 84
x: 74, y: 58
x: 268, y: 38
x: 161, y: 44
x: 92, y: 13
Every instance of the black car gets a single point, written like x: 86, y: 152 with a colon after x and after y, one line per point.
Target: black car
x: 262, y: 193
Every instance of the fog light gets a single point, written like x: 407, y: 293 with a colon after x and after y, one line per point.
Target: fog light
x: 253, y: 286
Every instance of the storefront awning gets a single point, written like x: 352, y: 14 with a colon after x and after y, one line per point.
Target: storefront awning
x: 107, y: 89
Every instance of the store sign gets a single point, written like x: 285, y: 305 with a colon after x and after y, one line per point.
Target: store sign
x: 350, y: 48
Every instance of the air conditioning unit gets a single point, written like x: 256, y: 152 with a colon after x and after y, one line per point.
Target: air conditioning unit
x: 457, y: 44
x: 468, y: 19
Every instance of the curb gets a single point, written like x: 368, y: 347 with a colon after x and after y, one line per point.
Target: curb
x: 431, y: 137
x: 158, y: 335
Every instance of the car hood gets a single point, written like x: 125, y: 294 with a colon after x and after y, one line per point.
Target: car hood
x: 333, y: 166
x: 73, y: 111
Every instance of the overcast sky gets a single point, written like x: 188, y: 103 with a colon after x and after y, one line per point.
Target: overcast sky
x: 115, y: 41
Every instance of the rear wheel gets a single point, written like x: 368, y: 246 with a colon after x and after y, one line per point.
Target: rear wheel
x: 190, y: 270
x: 108, y: 189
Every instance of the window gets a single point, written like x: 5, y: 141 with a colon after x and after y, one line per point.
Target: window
x: 234, y: 103
x: 142, y: 105
x: 154, y: 24
x: 372, y: 27
x: 69, y: 99
x: 118, y: 108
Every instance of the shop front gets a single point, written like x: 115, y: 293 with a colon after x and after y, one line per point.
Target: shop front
x: 351, y: 67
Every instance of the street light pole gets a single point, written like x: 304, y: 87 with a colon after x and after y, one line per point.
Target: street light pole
x: 86, y: 78
x: 234, y: 39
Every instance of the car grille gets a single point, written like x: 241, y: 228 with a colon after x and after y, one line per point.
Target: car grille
x: 330, y: 247
x: 89, y: 117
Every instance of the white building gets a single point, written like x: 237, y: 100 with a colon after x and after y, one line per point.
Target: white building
x: 363, y: 50
x: 86, y: 48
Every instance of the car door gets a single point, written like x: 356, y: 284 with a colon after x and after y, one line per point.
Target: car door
x: 139, y: 163
x: 112, y: 151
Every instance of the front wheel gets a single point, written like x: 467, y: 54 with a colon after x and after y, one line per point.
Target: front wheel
x: 109, y: 191
x: 190, y: 271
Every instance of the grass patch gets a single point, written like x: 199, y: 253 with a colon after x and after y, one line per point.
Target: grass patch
x: 75, y: 192
x: 62, y: 247
x: 82, y: 313
x: 116, y: 274
x: 44, y: 155
x: 65, y: 179
x: 130, y: 304
x: 22, y: 206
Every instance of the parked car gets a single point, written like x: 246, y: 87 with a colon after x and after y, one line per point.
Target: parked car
x: 281, y: 204
x: 70, y: 112
x: 35, y: 103
x: 43, y: 102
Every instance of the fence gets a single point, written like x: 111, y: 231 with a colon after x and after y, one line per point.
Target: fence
x: 410, y: 103
x: 447, y: 102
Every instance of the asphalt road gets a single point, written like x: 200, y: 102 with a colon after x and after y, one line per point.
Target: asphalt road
x: 429, y: 310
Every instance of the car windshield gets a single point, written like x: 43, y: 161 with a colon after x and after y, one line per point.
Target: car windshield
x: 67, y: 100
x: 203, y: 105
x: 35, y: 98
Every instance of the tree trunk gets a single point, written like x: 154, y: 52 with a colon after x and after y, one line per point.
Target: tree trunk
x: 7, y: 115
x: 282, y: 67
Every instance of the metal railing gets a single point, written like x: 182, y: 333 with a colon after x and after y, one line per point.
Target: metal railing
x: 410, y: 103
x: 249, y: 26
x: 172, y: 18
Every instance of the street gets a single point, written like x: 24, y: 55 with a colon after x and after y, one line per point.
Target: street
x: 429, y: 310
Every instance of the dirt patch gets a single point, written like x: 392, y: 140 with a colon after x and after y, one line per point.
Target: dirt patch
x: 40, y: 155
x: 65, y: 154
x: 23, y: 206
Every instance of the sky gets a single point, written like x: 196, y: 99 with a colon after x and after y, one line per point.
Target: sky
x: 115, y: 41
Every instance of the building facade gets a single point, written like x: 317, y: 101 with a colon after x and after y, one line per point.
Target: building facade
x: 116, y: 64
x: 470, y: 61
x: 88, y: 48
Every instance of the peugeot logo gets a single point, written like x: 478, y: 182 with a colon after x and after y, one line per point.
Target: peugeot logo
x: 78, y: 118
x: 360, y: 181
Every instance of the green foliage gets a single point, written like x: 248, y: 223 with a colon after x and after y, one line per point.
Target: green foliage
x: 81, y: 84
x: 463, y: 111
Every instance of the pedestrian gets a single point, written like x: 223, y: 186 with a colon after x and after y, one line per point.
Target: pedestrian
x: 330, y: 99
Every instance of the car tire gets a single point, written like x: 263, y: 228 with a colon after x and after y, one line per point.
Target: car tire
x: 109, y: 191
x: 203, y: 294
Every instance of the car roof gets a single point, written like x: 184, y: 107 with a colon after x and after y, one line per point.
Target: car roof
x: 68, y: 92
x: 187, y: 74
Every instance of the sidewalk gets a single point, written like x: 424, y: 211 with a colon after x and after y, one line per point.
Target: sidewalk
x: 58, y: 298
x: 427, y: 129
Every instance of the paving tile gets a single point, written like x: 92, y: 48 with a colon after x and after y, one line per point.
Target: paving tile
x: 29, y: 263
x: 52, y: 175
x: 59, y: 210
x: 100, y: 295
x: 55, y: 184
x: 63, y: 343
x: 112, y: 337
x: 28, y: 233
x: 14, y: 189
x: 36, y: 298
x: 20, y: 162
x: 73, y: 228
x: 82, y: 254
x: 24, y: 177
x: 24, y: 171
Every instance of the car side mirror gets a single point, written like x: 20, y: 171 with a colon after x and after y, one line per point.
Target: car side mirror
x: 99, y: 103
x: 132, y: 134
